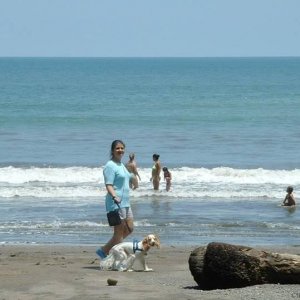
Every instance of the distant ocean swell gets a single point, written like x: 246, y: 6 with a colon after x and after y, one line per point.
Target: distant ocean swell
x: 84, y: 182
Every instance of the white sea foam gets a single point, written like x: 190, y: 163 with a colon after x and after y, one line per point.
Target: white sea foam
x: 84, y: 182
x: 50, y: 225
x: 15, y: 175
x: 59, y: 225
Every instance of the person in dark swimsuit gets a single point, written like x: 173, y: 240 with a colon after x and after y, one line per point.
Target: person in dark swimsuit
x: 289, y: 199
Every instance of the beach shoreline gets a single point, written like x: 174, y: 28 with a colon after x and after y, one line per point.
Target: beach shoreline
x: 72, y: 272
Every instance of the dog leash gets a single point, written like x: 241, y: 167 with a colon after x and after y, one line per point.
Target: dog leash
x: 129, y: 229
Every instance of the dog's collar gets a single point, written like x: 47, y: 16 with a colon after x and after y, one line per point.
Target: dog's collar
x: 136, y: 246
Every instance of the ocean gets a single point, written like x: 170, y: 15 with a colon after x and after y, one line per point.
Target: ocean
x: 227, y: 129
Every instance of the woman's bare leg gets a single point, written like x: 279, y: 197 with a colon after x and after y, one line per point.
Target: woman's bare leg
x: 120, y: 232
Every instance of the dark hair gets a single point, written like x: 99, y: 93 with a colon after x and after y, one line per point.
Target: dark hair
x: 289, y: 189
x: 131, y: 156
x: 156, y: 156
x: 165, y: 169
x: 113, y: 146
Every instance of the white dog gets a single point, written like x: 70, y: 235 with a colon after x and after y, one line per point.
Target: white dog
x: 122, y: 256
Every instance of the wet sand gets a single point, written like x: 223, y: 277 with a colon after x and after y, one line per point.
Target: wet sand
x: 72, y: 272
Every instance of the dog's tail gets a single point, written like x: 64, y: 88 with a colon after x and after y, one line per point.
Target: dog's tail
x: 107, y: 263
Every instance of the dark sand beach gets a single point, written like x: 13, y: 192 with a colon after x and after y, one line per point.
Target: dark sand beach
x: 72, y: 272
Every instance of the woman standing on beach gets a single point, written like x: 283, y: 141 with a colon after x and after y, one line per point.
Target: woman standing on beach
x: 116, y: 179
x: 156, y: 169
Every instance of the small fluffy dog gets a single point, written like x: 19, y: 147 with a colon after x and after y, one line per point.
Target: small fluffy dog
x: 122, y: 256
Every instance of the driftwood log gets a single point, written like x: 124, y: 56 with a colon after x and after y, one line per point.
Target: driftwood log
x: 222, y: 266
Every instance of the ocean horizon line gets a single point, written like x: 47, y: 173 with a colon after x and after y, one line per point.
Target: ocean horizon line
x: 157, y: 57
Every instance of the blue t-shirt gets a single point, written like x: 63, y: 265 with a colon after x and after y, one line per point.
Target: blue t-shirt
x: 118, y: 176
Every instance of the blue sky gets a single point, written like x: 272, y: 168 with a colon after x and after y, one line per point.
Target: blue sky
x: 153, y: 28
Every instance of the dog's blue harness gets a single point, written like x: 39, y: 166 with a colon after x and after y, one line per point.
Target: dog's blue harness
x: 136, y: 246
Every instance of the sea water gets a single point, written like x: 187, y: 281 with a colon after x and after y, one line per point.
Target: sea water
x: 227, y: 128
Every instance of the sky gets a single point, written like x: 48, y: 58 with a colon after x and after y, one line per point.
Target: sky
x: 153, y: 28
